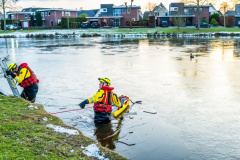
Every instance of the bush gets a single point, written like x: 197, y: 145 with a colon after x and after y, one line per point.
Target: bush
x: 39, y: 20
x: 137, y: 23
x: 215, y: 16
x: 214, y: 22
x: 204, y: 20
x: 73, y: 22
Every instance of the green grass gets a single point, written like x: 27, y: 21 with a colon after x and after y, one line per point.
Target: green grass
x: 31, y: 139
x: 133, y: 31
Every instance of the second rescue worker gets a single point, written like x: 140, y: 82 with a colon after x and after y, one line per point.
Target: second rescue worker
x: 26, y: 78
x: 102, y: 100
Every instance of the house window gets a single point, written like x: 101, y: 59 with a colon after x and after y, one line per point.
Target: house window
x: 195, y: 9
x: 42, y: 13
x: 200, y: 9
x: 62, y: 13
x: 188, y: 11
x: 45, y: 13
x: 117, y: 12
x: 12, y: 16
x: 174, y: 9
x: 49, y: 13
x: 124, y: 10
x: 59, y: 21
x: 103, y: 9
x: 128, y: 10
x: 67, y: 14
x: 26, y: 16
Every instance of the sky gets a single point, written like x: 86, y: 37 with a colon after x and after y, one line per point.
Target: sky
x: 86, y: 4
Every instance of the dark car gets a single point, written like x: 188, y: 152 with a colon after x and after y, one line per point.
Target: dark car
x: 10, y: 27
x: 164, y: 24
x: 16, y: 26
x: 13, y: 27
x: 95, y: 25
x: 203, y: 25
x: 85, y: 25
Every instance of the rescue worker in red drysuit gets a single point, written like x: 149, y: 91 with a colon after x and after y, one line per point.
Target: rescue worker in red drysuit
x: 26, y: 78
x: 103, y: 101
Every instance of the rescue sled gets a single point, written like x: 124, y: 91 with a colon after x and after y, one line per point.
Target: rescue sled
x: 125, y: 102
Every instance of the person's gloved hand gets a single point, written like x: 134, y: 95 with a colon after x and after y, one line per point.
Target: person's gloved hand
x: 11, y: 73
x: 83, y: 103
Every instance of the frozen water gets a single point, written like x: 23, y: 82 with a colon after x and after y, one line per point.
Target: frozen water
x: 62, y: 129
x: 93, y: 151
x: 196, y: 100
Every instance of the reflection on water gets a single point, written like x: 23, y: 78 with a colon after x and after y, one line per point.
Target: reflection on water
x: 196, y: 100
x: 106, y: 134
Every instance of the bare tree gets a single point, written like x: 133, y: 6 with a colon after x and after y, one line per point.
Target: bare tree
x: 224, y: 7
x: 7, y: 4
x: 178, y: 20
x: 130, y: 8
x: 198, y: 4
x: 150, y: 6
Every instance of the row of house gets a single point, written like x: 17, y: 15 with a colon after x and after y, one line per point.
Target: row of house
x: 187, y: 12
x: 108, y: 14
x: 117, y: 16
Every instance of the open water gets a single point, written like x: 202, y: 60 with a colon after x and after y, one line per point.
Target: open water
x: 190, y: 107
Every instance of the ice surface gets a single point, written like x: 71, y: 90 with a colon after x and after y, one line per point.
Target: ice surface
x: 63, y: 130
x: 93, y: 151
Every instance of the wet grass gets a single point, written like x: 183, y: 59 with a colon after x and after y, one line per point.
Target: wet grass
x: 134, y: 30
x: 5, y: 32
x: 31, y: 139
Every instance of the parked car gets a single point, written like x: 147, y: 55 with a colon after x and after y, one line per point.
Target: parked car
x: 85, y: 25
x: 16, y: 26
x: 9, y: 27
x: 203, y: 25
x: 95, y: 25
x: 164, y: 24
x: 13, y: 27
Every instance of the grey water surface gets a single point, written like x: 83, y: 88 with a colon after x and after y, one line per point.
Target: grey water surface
x: 190, y: 107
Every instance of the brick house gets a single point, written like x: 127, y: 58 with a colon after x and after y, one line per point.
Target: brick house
x: 52, y: 16
x: 187, y: 12
x: 115, y: 16
x: 24, y: 17
x: 204, y: 12
x: 21, y: 15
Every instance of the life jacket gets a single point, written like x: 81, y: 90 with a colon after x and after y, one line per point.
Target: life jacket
x: 106, y: 104
x: 31, y: 79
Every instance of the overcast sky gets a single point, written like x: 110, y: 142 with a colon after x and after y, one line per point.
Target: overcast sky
x: 86, y: 4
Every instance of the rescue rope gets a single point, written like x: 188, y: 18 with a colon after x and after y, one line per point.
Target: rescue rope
x: 42, y: 115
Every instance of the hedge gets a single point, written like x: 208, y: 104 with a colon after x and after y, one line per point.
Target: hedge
x: 73, y: 22
x: 137, y: 23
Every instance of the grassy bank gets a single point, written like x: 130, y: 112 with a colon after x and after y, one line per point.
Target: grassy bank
x: 132, y: 31
x: 31, y: 139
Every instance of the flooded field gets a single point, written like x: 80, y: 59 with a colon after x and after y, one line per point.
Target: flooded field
x: 190, y: 106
